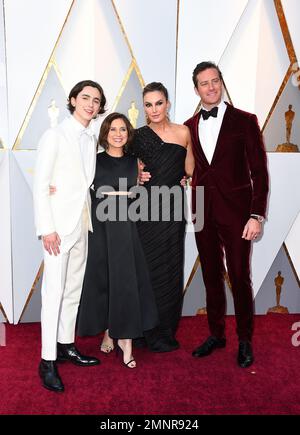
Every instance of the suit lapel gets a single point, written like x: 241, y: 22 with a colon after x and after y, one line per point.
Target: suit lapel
x: 73, y: 142
x: 199, y: 149
x: 225, y: 131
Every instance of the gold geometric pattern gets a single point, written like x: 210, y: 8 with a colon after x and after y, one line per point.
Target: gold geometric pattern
x: 133, y: 65
x: 3, y: 312
x: 33, y: 289
x: 135, y: 68
x: 285, y: 31
x: 291, y: 53
x: 192, y: 274
x: 291, y: 264
x: 51, y: 64
x: 290, y: 71
x: 281, y: 89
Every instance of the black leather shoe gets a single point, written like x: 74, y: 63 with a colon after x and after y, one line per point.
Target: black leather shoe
x: 164, y: 344
x: 50, y: 377
x: 209, y: 346
x: 139, y: 343
x: 245, y: 354
x: 68, y: 352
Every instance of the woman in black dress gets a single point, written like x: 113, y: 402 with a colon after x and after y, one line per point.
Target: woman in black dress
x: 165, y: 149
x: 117, y: 296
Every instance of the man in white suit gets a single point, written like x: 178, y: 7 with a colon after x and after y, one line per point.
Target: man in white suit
x: 66, y: 159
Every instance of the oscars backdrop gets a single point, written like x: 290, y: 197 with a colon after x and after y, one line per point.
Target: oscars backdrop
x: 46, y: 46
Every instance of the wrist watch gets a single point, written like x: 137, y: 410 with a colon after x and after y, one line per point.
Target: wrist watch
x: 259, y: 218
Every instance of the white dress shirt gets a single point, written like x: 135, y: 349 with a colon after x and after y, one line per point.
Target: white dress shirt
x: 87, y: 144
x: 209, y: 130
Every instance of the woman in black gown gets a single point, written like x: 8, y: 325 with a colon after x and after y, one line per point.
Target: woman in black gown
x: 165, y: 149
x: 117, y: 296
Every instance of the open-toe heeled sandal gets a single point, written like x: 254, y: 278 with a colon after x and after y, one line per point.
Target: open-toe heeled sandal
x: 120, y: 350
x: 106, y: 348
x: 129, y: 362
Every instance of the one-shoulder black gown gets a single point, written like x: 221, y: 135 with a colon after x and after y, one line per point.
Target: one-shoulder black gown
x: 163, y: 241
x: 117, y: 293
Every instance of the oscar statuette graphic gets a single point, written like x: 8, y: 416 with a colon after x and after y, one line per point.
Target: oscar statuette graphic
x: 53, y: 113
x: 201, y: 311
x: 278, y: 308
x: 288, y: 147
x: 133, y: 114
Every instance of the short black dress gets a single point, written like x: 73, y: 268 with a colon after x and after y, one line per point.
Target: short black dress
x: 117, y: 292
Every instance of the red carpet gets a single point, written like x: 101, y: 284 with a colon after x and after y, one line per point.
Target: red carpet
x: 172, y: 383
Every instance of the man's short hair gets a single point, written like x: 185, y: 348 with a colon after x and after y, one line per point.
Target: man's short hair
x: 78, y: 88
x: 204, y: 66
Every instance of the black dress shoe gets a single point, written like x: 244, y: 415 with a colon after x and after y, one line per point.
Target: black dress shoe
x: 50, y: 377
x: 245, y: 355
x: 68, y: 352
x: 139, y: 343
x: 163, y: 344
x: 209, y: 346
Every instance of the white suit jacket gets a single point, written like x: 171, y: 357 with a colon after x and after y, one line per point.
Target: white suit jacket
x: 59, y: 163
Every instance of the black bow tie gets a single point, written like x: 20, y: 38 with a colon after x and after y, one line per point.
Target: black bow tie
x: 206, y: 114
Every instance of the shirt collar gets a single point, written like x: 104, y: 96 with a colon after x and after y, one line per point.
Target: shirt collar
x: 221, y: 106
x: 79, y: 128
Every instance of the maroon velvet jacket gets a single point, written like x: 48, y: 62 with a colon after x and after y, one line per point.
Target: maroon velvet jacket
x: 238, y: 169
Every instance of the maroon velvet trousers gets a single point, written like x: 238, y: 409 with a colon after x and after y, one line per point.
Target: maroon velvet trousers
x: 222, y: 233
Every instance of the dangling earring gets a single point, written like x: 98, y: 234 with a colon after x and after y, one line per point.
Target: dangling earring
x: 168, y: 112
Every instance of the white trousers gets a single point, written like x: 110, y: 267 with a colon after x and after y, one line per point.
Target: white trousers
x: 61, y: 289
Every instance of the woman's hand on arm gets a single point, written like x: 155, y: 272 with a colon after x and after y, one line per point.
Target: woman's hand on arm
x: 143, y: 176
x: 189, y: 160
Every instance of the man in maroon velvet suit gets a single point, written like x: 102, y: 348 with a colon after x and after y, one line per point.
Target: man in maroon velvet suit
x: 230, y: 162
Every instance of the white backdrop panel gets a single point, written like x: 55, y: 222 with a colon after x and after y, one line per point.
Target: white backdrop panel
x: 275, y: 131
x: 273, y: 60
x: 283, y: 208
x: 150, y: 26
x: 75, y: 54
x: 99, y: 54
x: 132, y: 92
x: 292, y: 13
x: 3, y: 87
x: 26, y: 248
x: 112, y: 59
x: 293, y: 245
x: 32, y: 28
x: 40, y: 118
x: 239, y: 69
x: 205, y: 29
x: 26, y: 162
x: 6, y: 294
